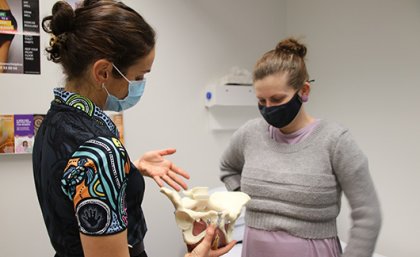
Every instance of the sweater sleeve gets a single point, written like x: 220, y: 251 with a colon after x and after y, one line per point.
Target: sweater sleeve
x: 232, y: 162
x: 351, y: 168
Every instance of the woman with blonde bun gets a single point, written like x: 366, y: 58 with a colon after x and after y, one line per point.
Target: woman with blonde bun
x: 295, y: 167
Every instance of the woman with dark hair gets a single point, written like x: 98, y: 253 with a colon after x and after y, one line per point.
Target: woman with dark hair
x: 295, y: 168
x: 89, y: 190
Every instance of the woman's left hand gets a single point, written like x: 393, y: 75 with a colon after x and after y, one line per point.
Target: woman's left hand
x: 152, y: 164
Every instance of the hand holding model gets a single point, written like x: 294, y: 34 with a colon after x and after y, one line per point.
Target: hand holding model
x: 198, y: 210
x: 204, y: 248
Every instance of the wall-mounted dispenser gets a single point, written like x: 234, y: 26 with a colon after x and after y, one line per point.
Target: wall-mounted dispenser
x: 234, y: 89
x: 230, y: 95
x: 231, y: 101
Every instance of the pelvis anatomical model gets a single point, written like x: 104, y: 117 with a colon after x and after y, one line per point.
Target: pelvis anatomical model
x: 197, y: 209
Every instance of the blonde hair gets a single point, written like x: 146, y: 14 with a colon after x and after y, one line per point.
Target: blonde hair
x: 288, y: 56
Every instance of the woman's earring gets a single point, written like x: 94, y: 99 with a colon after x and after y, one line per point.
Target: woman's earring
x: 304, y: 98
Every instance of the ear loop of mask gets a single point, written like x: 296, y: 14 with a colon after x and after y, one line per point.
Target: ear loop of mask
x: 305, y: 97
x: 103, y: 86
x: 103, y: 83
x: 121, y: 73
x: 106, y: 76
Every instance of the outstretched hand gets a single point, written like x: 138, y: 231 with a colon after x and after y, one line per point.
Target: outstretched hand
x: 152, y: 164
x: 204, y: 248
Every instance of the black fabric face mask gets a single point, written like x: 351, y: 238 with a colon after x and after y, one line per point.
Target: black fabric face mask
x: 281, y: 115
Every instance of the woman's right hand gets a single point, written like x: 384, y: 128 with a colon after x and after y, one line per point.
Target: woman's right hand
x: 204, y: 248
x: 153, y: 164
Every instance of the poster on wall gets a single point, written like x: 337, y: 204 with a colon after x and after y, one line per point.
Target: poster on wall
x: 24, y: 133
x: 7, y: 134
x: 38, y: 118
x: 118, y: 120
x: 18, y: 131
x: 19, y: 37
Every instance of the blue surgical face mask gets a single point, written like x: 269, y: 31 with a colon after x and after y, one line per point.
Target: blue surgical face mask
x: 135, y: 91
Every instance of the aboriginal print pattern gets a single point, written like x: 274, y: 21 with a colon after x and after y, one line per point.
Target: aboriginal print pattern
x: 95, y: 179
x: 86, y: 105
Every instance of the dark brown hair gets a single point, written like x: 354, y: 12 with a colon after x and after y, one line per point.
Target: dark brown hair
x: 288, y: 56
x: 98, y: 29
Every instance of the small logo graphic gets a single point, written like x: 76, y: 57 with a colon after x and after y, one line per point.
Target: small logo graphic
x: 93, y: 216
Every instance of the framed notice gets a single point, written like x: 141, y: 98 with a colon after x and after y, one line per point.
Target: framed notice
x: 18, y: 131
x: 19, y: 37
x: 7, y: 134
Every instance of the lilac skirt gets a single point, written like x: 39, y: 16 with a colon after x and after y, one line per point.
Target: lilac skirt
x: 262, y: 243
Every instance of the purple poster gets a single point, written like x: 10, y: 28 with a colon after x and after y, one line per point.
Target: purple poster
x: 24, y: 133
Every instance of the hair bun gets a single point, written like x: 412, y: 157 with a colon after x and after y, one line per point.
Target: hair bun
x: 62, y: 18
x: 291, y: 46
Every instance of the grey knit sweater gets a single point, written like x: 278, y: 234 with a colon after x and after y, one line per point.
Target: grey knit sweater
x: 297, y: 187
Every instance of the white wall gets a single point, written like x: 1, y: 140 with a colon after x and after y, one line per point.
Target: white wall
x: 363, y: 54
x: 198, y: 41
x: 365, y: 57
